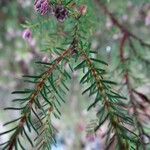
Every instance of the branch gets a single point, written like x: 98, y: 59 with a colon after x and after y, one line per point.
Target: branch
x: 123, y: 41
x: 111, y: 107
x: 107, y: 104
x: 46, y: 131
x: 38, y: 88
x: 39, y: 91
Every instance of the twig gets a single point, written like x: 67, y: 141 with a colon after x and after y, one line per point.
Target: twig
x: 123, y: 41
x: 39, y: 87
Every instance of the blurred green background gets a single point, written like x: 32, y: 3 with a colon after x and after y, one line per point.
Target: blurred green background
x: 17, y: 58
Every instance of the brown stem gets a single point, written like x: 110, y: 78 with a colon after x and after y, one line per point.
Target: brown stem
x: 123, y: 41
x: 115, y: 121
x: 39, y: 87
x: 122, y: 45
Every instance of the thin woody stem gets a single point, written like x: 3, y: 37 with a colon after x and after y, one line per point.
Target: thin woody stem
x: 114, y: 121
x: 39, y: 88
x: 123, y: 41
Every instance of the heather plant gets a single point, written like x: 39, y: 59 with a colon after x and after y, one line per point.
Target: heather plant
x: 67, y: 28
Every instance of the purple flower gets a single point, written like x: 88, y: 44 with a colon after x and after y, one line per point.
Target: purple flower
x: 42, y: 6
x: 90, y: 137
x: 61, y: 13
x: 27, y: 35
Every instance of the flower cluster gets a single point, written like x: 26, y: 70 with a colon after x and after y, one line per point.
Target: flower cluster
x: 61, y: 13
x: 44, y: 7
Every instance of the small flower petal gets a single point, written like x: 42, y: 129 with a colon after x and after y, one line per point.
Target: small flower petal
x: 61, y: 13
x: 42, y: 6
x: 27, y: 34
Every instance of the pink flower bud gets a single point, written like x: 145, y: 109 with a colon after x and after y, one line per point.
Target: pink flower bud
x: 83, y: 10
x: 42, y: 6
x: 27, y: 34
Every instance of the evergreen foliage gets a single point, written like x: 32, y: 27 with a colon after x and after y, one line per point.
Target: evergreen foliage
x: 69, y: 41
